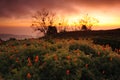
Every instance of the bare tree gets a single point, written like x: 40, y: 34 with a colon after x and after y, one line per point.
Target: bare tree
x: 42, y: 20
x: 88, y: 22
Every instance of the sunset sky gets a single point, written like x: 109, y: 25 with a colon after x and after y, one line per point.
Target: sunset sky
x: 18, y: 13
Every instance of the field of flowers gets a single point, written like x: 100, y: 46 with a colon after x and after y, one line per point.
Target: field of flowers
x: 58, y: 59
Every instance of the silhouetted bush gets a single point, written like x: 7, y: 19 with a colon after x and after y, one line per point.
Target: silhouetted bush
x: 12, y: 39
x: 84, y: 28
x: 1, y: 41
x: 51, y: 30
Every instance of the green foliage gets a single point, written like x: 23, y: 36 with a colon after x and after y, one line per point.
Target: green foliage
x: 113, y: 42
x: 55, y: 59
x: 87, y: 49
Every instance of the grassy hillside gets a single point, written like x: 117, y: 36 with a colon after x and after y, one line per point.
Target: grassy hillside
x: 58, y: 59
x: 95, y: 33
x: 102, y: 37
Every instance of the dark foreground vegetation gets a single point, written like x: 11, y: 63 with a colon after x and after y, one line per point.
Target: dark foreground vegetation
x: 58, y: 59
x: 102, y: 37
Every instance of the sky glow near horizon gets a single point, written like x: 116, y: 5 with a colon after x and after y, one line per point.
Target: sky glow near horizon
x: 18, y: 13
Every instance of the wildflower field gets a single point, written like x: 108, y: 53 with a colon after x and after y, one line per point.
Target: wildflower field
x: 58, y: 59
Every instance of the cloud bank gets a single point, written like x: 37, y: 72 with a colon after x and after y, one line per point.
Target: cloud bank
x: 19, y: 8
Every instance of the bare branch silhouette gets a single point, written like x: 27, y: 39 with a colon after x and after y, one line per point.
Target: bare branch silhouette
x: 42, y: 20
x: 88, y: 22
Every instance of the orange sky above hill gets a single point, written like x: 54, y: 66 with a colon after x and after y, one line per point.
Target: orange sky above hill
x: 18, y: 13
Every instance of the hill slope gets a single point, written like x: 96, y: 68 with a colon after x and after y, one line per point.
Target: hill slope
x: 101, y: 33
x: 58, y: 59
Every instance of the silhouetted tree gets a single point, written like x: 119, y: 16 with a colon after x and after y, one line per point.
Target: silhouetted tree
x: 87, y: 22
x: 42, y: 20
